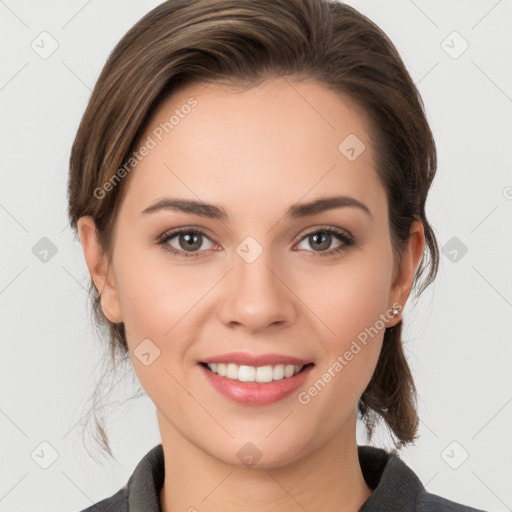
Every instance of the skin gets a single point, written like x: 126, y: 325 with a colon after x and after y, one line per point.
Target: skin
x: 255, y: 153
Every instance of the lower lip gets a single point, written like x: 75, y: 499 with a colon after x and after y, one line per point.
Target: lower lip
x: 256, y: 393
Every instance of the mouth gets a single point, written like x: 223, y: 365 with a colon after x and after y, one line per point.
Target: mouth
x: 255, y: 379
x: 255, y: 385
x: 257, y: 374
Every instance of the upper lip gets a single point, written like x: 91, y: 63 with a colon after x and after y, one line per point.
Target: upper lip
x: 244, y: 358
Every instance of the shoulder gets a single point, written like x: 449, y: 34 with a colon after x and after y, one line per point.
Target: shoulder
x: 141, y: 492
x: 118, y: 502
x: 434, y: 503
x: 395, y: 486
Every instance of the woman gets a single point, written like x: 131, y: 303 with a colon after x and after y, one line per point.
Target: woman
x: 248, y: 183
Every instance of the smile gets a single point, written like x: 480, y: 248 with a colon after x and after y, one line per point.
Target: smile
x: 244, y: 373
x: 255, y: 385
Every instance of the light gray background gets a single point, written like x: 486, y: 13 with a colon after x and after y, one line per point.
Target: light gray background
x: 459, y: 331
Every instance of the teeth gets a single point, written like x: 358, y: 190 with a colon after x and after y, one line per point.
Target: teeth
x: 278, y: 372
x: 254, y: 374
x: 232, y: 371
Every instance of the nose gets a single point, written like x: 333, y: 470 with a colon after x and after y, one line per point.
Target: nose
x: 258, y: 294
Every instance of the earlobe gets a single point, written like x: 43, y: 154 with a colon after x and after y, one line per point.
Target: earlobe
x: 402, y: 284
x: 99, y: 269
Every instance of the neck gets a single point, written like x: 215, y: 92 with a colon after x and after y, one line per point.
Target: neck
x: 328, y: 480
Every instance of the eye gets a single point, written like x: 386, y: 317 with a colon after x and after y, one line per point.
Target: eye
x: 188, y: 242
x: 321, y: 239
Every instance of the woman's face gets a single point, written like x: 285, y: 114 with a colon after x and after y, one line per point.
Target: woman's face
x: 258, y: 280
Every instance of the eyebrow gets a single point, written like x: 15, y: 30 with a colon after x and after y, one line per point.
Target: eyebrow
x: 295, y: 211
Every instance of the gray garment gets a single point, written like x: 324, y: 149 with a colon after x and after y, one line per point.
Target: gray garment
x: 395, y: 486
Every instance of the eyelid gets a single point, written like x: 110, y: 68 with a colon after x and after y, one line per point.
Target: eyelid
x: 203, y: 231
x: 169, y: 234
x: 184, y: 229
x: 345, y: 236
x: 327, y: 227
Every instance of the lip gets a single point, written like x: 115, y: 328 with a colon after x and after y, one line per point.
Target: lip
x: 244, y: 358
x: 256, y: 393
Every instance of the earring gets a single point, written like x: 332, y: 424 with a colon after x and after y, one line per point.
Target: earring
x: 395, y: 311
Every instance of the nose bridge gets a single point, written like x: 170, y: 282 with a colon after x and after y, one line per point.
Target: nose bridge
x: 257, y: 294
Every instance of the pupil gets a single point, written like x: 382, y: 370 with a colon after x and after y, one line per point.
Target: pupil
x: 190, y: 242
x: 325, y: 236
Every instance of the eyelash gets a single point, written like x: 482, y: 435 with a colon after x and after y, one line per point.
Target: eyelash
x: 347, y: 240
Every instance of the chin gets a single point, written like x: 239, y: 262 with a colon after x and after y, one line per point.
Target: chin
x: 257, y: 452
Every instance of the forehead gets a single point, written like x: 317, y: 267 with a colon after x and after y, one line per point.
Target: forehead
x: 280, y: 141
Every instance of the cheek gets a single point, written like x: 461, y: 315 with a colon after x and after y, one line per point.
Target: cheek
x: 350, y: 296
x: 156, y: 293
x: 157, y: 302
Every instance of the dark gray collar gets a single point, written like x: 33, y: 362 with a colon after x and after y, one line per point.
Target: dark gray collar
x: 395, y: 486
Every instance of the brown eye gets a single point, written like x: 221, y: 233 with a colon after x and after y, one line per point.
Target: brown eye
x: 321, y: 241
x: 186, y: 242
x: 190, y: 241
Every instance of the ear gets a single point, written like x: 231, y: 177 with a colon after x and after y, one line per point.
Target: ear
x: 404, y: 274
x: 101, y: 274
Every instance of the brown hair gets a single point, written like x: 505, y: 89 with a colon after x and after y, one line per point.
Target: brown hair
x: 242, y: 42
